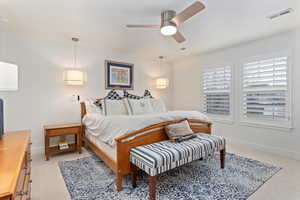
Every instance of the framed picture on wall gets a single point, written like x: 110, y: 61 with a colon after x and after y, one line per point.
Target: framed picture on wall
x: 118, y: 75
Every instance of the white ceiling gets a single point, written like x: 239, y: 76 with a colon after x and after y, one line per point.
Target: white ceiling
x: 101, y: 23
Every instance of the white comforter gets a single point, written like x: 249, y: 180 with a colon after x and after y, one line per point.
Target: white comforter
x: 106, y: 128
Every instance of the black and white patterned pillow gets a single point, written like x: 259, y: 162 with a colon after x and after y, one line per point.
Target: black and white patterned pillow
x: 131, y: 96
x: 147, y: 93
x: 98, y: 103
x: 113, y: 95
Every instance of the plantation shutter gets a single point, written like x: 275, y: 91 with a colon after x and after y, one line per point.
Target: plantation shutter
x: 265, y: 89
x: 217, y: 87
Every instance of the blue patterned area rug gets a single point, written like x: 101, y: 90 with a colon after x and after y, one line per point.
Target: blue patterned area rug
x: 89, y: 178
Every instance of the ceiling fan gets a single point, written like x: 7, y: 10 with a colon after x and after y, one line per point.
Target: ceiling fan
x: 170, y: 21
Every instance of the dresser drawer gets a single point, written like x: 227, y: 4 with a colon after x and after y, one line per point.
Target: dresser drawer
x: 21, y: 180
x: 28, y: 181
x: 28, y: 155
x: 26, y: 188
x: 23, y: 190
x: 15, y: 153
x: 63, y: 131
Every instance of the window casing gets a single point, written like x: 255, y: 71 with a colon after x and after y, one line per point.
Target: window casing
x: 266, y: 92
x: 217, y: 93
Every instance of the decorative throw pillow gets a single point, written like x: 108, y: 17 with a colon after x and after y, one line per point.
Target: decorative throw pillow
x: 147, y: 93
x: 114, y: 107
x: 113, y: 95
x: 158, y: 105
x: 140, y: 107
x: 178, y: 130
x: 131, y: 96
x: 99, y: 104
x: 92, y: 107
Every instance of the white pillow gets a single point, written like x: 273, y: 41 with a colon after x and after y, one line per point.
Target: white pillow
x: 158, y: 105
x: 114, y: 107
x: 140, y: 107
x: 90, y: 107
x: 126, y: 103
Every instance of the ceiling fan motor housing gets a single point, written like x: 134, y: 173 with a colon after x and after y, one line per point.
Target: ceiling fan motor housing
x: 166, y: 18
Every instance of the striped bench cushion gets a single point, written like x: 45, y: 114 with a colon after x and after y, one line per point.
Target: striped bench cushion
x: 163, y: 156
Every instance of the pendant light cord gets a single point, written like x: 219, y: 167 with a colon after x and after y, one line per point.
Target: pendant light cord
x: 74, y: 56
x: 75, y: 40
x: 160, y: 60
x: 159, y: 67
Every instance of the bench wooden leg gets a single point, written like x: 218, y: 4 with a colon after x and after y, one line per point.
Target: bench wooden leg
x: 152, y: 187
x: 119, y: 182
x: 133, y: 175
x: 222, y: 158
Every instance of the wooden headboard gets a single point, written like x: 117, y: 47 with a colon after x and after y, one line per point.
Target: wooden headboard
x: 82, y: 109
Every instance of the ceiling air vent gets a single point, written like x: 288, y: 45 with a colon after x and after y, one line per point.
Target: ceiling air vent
x: 281, y: 13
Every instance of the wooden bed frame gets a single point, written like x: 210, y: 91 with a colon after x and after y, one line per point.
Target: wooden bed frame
x: 124, y: 143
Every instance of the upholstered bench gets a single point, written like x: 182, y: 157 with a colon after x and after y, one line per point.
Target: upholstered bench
x: 160, y: 157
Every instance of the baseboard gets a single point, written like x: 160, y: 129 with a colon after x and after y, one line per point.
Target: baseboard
x: 278, y: 151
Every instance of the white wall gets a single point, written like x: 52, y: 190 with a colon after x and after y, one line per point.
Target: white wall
x: 43, y: 98
x: 187, y: 93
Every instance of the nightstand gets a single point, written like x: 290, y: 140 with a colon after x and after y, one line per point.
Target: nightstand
x: 62, y: 130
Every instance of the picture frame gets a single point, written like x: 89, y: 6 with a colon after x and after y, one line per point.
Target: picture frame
x: 118, y: 75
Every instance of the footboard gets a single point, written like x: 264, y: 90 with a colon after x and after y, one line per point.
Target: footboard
x: 149, y: 135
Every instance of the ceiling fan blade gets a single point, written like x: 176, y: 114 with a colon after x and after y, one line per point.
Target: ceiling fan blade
x: 188, y: 12
x: 179, y: 37
x: 142, y: 26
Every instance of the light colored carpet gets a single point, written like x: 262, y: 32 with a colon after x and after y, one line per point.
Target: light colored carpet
x: 48, y: 183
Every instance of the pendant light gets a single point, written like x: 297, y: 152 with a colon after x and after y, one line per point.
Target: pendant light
x: 74, y: 76
x: 161, y: 83
x: 8, y: 76
x: 8, y: 71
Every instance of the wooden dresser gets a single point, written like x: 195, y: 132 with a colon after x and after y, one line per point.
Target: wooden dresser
x: 15, y: 166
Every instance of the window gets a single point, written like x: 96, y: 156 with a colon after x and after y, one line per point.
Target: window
x: 265, y: 91
x: 217, y: 91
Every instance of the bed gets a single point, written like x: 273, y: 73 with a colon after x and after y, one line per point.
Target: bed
x: 116, y: 153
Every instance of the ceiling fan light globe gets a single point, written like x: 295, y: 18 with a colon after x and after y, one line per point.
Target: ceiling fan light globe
x: 168, y: 30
